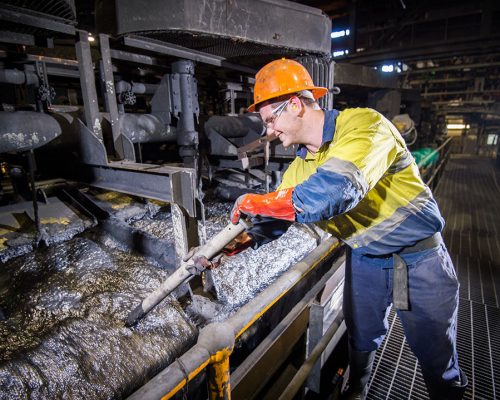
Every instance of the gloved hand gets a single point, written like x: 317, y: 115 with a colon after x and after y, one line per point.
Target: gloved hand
x: 238, y: 244
x: 275, y: 204
x: 199, y: 264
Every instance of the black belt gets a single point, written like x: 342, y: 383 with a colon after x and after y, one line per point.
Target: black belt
x: 424, y: 244
x: 400, y: 270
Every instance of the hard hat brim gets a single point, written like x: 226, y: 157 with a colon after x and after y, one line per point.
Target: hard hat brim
x: 317, y: 92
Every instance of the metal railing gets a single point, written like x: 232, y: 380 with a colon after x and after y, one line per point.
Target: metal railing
x: 431, y: 171
x: 216, y: 341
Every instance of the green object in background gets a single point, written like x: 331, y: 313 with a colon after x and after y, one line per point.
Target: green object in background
x: 425, y: 156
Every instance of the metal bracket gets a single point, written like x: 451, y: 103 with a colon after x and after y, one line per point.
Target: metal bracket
x: 161, y: 103
x: 322, y: 313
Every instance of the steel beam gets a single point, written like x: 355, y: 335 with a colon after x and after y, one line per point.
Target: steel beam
x: 123, y: 147
x: 455, y: 68
x: 170, y: 184
x: 435, y: 81
x: 442, y: 49
x: 64, y: 72
x: 35, y: 19
x: 136, y: 58
x: 183, y: 52
x: 357, y: 75
x: 52, y: 60
x: 87, y: 81
x: 459, y: 92
x: 17, y: 38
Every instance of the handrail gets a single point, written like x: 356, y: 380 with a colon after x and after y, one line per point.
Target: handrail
x: 431, y: 173
x: 215, y: 341
x: 424, y: 160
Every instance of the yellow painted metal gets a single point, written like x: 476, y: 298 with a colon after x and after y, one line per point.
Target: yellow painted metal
x: 219, y: 363
x: 117, y: 200
x: 191, y: 375
x: 218, y: 376
x: 53, y: 220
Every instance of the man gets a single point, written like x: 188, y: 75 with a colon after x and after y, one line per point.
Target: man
x: 355, y: 178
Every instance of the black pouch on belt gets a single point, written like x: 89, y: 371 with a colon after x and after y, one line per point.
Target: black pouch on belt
x: 400, y: 284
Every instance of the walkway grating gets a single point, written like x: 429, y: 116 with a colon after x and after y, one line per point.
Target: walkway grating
x: 469, y: 198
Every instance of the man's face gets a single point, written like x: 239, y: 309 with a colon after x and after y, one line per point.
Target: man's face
x: 279, y: 122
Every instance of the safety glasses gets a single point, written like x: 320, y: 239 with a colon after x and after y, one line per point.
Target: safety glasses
x: 271, y: 120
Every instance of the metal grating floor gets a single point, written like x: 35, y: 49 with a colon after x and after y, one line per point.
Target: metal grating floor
x: 469, y: 197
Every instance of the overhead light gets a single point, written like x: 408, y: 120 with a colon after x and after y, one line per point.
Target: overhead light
x: 339, y: 53
x: 342, y: 33
x: 458, y: 126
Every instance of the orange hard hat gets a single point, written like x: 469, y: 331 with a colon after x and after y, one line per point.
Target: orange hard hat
x: 282, y: 77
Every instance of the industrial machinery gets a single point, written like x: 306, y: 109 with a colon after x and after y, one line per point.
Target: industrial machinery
x: 111, y: 146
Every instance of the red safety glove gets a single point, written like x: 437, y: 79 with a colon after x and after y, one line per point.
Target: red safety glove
x: 238, y: 244
x: 275, y: 205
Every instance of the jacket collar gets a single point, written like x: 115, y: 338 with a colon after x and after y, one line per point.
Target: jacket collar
x: 328, y: 131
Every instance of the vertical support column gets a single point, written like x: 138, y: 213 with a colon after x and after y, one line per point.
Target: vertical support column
x: 32, y: 168
x: 352, y: 26
x: 185, y: 232
x: 123, y: 149
x: 87, y: 82
x: 184, y: 92
x: 498, y: 151
x: 187, y: 136
x: 315, y: 333
x: 218, y: 376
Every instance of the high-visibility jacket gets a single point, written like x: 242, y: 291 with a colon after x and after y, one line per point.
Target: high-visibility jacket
x: 363, y: 185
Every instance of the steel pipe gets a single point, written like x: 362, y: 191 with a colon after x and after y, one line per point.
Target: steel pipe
x: 183, y: 273
x: 232, y: 127
x: 26, y: 130
x: 301, y: 376
x: 146, y: 128
x: 17, y: 77
x: 135, y: 87
x: 176, y: 376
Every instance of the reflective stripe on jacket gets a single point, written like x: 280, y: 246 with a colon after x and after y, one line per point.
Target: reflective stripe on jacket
x: 363, y: 185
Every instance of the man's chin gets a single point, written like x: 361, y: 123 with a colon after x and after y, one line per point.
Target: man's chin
x: 284, y: 144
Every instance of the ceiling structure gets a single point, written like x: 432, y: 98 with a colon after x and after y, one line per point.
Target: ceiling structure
x: 449, y: 50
